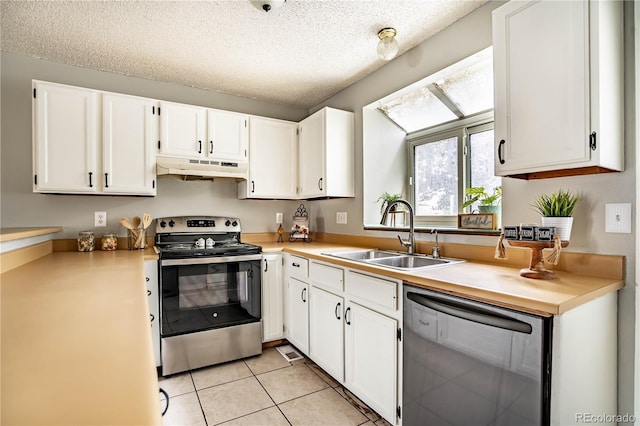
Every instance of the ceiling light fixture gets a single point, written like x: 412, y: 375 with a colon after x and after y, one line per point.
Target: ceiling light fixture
x: 388, y: 45
x: 268, y: 5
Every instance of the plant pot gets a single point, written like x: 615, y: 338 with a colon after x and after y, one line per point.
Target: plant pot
x: 492, y: 209
x: 563, y: 226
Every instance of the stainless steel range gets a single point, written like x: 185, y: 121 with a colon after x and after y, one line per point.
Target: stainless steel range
x: 210, y: 286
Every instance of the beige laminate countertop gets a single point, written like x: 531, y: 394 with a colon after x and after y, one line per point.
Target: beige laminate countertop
x: 76, y: 346
x: 486, y: 282
x: 10, y: 234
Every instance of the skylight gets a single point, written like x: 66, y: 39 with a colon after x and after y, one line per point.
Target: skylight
x: 459, y: 91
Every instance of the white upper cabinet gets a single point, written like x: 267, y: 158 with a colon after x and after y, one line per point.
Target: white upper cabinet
x: 558, y: 88
x: 130, y: 131
x: 183, y: 130
x: 65, y: 139
x: 326, y: 154
x: 228, y: 135
x: 71, y: 156
x: 273, y: 160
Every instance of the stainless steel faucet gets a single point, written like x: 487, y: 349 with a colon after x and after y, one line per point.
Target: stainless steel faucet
x: 435, y: 250
x: 411, y: 243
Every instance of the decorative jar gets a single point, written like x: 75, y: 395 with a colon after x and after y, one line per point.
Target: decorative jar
x: 86, y: 241
x: 109, y: 242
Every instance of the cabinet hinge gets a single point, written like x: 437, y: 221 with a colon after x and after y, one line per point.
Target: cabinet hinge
x: 399, y: 412
x: 245, y: 153
x: 35, y: 179
x: 592, y: 141
x: 158, y: 110
x: 34, y: 93
x: 158, y: 144
x: 153, y: 110
x: 399, y: 334
x: 298, y: 131
x: 245, y: 123
x: 153, y: 184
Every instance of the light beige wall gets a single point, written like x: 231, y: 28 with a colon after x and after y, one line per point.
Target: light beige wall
x: 465, y: 37
x: 21, y: 207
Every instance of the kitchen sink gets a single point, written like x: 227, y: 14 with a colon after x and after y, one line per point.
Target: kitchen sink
x: 393, y: 259
x: 365, y: 254
x: 411, y: 262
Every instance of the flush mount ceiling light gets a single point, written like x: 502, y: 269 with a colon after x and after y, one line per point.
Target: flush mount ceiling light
x: 268, y: 5
x: 388, y: 45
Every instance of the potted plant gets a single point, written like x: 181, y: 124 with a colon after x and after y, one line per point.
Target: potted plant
x: 387, y: 198
x: 489, y: 202
x: 557, y: 210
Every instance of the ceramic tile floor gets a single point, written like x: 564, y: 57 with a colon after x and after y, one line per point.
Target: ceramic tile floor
x: 263, y: 390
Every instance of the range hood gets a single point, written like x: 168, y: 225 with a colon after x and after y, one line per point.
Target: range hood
x: 200, y: 167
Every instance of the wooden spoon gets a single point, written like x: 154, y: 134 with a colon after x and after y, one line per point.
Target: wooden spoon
x: 136, y: 222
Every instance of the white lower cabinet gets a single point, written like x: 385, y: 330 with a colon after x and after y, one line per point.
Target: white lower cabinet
x: 326, y: 332
x: 371, y: 359
x: 298, y: 314
x: 151, y: 279
x: 272, y: 298
x: 353, y: 324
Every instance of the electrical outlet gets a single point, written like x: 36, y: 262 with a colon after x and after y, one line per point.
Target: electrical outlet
x: 278, y: 217
x: 100, y: 219
x: 618, y: 218
x: 341, y: 218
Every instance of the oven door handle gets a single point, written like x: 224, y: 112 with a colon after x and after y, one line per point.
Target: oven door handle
x: 210, y: 260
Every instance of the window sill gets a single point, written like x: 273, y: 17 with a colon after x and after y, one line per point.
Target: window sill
x: 426, y: 230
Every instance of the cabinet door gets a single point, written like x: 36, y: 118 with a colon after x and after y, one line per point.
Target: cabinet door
x: 371, y: 359
x: 273, y: 160
x: 151, y: 278
x: 228, y: 135
x: 312, y: 156
x: 182, y: 130
x: 541, y: 74
x: 65, y: 139
x: 130, y: 129
x: 298, y: 314
x: 272, y: 298
x: 326, y: 332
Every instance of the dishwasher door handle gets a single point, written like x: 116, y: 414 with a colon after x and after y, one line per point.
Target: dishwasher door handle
x: 470, y: 313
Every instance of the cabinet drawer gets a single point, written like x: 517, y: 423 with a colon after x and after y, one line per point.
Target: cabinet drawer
x: 298, y: 267
x: 378, y: 291
x: 326, y: 276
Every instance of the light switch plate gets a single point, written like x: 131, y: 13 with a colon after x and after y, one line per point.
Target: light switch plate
x: 618, y: 218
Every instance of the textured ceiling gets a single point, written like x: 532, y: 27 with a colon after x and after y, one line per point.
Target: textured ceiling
x: 299, y: 55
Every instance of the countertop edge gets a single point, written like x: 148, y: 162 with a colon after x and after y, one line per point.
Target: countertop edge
x: 11, y: 234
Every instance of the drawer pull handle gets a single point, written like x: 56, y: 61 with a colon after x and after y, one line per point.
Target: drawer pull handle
x: 296, y: 265
x: 337, y: 311
x: 302, y: 295
x: 148, y: 292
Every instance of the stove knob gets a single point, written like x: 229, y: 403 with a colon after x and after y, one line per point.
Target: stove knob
x: 172, y: 223
x: 163, y: 224
x: 234, y: 223
x: 227, y: 223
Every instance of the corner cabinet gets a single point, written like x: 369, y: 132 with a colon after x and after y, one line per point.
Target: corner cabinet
x: 273, y: 162
x: 71, y: 156
x: 326, y: 154
x: 558, y: 88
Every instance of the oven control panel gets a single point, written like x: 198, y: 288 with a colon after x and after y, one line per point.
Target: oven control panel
x: 197, y: 224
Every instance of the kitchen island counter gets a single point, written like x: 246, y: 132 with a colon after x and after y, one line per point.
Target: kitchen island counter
x: 76, y: 343
x: 485, y: 281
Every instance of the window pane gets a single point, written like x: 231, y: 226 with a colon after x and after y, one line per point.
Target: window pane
x: 471, y: 88
x: 417, y: 110
x: 481, y: 149
x: 436, y: 178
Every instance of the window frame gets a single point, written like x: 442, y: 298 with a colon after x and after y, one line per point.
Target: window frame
x: 461, y: 128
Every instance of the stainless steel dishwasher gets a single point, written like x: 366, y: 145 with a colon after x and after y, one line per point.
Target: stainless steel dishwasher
x: 470, y: 363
